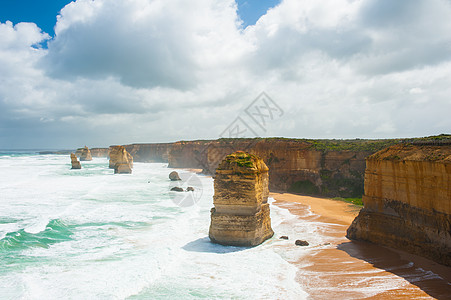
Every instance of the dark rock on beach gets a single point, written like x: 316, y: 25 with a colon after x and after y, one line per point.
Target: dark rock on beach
x: 174, y: 176
x: 301, y: 243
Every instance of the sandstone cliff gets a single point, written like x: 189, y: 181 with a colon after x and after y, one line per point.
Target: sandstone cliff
x: 120, y: 160
x: 99, y: 152
x: 311, y: 167
x: 74, y: 161
x: 241, y: 216
x: 149, y: 152
x: 407, y: 201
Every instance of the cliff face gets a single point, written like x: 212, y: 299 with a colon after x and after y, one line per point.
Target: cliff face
x: 120, y: 160
x: 241, y: 216
x: 294, y: 166
x: 188, y: 154
x: 99, y: 152
x: 149, y: 152
x: 407, y: 201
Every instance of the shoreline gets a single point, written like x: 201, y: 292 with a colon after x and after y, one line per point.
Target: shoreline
x: 357, y: 270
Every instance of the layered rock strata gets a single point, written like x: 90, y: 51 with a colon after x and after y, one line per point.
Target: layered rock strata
x: 120, y: 160
x: 74, y: 161
x: 241, y: 216
x: 407, y: 201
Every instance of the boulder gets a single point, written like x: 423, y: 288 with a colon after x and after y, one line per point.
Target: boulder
x: 190, y: 189
x: 120, y: 160
x: 177, y: 189
x: 284, y: 237
x: 75, y: 163
x: 240, y: 216
x: 85, y: 154
x: 301, y: 243
x: 174, y: 176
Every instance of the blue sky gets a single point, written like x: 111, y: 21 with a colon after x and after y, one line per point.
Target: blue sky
x: 44, y: 12
x: 137, y: 71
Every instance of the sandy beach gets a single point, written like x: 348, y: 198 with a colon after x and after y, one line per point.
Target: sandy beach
x: 346, y: 269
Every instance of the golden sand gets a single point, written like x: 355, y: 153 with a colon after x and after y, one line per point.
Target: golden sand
x: 359, y: 270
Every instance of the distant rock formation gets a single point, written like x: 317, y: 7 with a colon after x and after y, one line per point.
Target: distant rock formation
x: 177, y: 189
x: 120, y: 160
x: 174, y: 176
x: 85, y: 154
x: 75, y: 163
x: 407, y: 201
x: 240, y: 216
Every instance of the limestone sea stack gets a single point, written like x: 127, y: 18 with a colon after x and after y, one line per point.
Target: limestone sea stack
x: 120, y: 160
x: 240, y: 216
x: 85, y: 154
x: 75, y: 163
x: 407, y: 201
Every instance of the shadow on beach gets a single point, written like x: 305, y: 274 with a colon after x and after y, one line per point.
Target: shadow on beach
x: 432, y: 278
x: 205, y: 245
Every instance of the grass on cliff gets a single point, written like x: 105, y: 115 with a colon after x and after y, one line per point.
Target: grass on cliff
x: 242, y: 159
x: 355, y: 201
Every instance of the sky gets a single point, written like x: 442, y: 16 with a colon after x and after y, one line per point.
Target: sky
x: 103, y: 72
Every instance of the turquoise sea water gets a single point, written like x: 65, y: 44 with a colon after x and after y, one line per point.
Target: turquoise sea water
x: 89, y: 234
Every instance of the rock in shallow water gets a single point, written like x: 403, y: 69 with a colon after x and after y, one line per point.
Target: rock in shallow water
x: 120, y: 160
x: 174, y: 176
x: 74, y: 161
x: 240, y: 216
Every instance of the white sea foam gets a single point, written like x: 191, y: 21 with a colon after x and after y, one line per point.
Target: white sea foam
x: 123, y: 236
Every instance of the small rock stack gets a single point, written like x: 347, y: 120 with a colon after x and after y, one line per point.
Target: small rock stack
x: 75, y: 163
x: 85, y: 154
x: 240, y: 216
x: 120, y: 160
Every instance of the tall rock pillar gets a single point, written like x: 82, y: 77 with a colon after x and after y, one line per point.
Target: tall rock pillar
x: 120, y: 160
x: 240, y: 216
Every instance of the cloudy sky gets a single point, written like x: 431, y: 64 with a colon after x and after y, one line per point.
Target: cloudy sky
x: 116, y: 72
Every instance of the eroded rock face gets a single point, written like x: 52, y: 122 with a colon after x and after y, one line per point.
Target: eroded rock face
x: 120, y: 160
x: 75, y: 163
x: 240, y: 216
x: 84, y: 154
x: 407, y: 201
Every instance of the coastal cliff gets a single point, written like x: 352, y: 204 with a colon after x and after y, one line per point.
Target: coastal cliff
x: 312, y: 167
x: 407, y: 200
x: 241, y: 215
x: 149, y: 152
x: 99, y: 152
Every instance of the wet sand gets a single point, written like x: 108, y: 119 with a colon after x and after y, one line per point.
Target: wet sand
x: 357, y: 270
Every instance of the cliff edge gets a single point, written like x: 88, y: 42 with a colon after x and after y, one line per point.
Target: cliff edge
x: 407, y: 200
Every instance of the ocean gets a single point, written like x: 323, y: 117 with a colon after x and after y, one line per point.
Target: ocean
x: 90, y: 234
